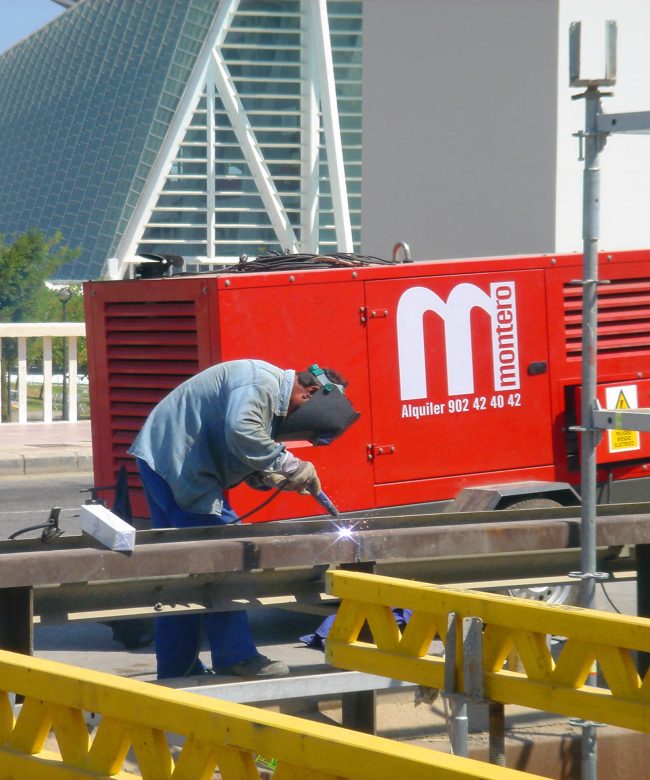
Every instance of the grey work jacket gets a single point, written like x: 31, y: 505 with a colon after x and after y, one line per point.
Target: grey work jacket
x: 215, y: 429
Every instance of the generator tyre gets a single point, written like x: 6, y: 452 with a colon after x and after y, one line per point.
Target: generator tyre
x: 566, y: 595
x: 133, y: 633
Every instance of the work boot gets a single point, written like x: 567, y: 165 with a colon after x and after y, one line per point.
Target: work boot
x: 257, y: 666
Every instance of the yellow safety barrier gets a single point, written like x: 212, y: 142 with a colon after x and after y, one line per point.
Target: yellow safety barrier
x: 548, y: 684
x: 139, y: 716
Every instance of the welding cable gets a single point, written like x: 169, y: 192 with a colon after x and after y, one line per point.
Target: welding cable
x: 49, y: 529
x: 29, y: 528
x: 266, y: 501
x: 606, y: 594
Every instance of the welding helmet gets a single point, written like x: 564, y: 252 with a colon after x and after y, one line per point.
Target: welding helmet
x: 321, y: 419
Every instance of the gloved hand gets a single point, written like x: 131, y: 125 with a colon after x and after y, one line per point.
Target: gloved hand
x: 299, y: 475
x: 273, y: 479
x: 305, y: 479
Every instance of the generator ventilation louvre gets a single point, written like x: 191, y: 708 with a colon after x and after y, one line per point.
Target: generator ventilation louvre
x: 623, y: 319
x: 151, y: 347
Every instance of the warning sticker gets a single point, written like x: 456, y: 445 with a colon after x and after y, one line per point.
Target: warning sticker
x: 622, y: 398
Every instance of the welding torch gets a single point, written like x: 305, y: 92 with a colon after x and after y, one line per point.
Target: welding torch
x: 280, y: 484
x: 345, y: 530
x: 327, y: 503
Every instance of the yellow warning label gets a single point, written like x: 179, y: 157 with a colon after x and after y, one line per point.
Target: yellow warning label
x: 623, y: 440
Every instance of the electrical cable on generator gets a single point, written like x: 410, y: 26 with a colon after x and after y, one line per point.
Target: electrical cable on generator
x: 156, y: 266
x: 277, y: 261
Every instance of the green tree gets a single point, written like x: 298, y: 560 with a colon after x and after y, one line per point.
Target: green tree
x: 26, y: 261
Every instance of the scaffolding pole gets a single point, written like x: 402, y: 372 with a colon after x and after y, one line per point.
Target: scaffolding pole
x: 594, y: 420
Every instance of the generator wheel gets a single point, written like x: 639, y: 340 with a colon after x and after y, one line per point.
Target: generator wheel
x: 567, y: 595
x: 133, y: 633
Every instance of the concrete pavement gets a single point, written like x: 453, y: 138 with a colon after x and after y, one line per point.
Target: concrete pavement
x: 42, y: 448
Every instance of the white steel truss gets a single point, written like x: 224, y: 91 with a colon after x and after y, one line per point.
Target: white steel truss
x: 332, y: 127
x: 243, y: 171
x: 177, y: 128
x: 253, y: 154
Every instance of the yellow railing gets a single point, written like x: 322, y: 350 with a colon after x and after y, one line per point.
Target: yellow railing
x: 140, y: 717
x: 550, y: 681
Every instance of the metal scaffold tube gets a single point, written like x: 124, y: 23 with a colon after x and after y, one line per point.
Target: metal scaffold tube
x: 592, y: 143
x: 590, y: 436
x: 593, y: 421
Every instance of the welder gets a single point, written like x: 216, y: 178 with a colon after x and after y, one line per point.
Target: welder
x: 227, y: 425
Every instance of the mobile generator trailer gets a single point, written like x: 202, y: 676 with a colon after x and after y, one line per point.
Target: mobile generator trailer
x: 466, y: 372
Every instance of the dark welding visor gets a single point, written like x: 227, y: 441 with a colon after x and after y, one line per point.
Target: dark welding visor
x: 321, y: 419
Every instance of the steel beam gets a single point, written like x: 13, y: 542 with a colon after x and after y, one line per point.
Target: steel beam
x: 359, y: 708
x: 211, y: 553
x: 643, y: 596
x: 295, y: 588
x: 16, y: 620
x: 622, y: 419
x: 636, y: 122
x: 322, y: 684
x: 282, y: 564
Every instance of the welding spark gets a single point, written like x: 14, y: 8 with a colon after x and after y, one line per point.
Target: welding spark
x: 347, y: 532
x: 346, y: 529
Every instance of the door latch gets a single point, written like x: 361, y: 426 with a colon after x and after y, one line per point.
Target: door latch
x: 375, y: 450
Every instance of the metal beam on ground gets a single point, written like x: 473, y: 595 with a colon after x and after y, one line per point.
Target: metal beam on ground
x: 16, y: 619
x: 298, y: 686
x: 226, y: 549
x: 74, y: 578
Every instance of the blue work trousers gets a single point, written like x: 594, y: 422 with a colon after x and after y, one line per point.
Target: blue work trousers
x: 178, y: 637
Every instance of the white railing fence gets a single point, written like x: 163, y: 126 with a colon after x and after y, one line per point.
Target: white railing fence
x: 46, y: 331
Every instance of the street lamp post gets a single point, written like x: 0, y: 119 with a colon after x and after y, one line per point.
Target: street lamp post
x: 64, y: 295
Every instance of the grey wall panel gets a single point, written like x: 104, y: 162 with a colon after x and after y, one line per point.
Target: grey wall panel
x: 459, y: 126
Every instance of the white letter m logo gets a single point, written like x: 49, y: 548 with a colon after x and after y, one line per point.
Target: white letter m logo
x: 455, y: 314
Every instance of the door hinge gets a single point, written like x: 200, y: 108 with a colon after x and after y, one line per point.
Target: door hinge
x: 375, y: 450
x: 366, y: 314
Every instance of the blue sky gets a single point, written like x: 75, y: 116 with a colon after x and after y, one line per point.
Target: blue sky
x: 20, y: 18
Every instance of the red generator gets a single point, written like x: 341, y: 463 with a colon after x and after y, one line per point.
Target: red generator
x: 466, y: 372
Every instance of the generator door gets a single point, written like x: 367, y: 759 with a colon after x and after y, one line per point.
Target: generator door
x: 292, y: 326
x: 459, y: 378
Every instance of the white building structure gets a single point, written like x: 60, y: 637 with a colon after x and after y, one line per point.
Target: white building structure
x: 215, y: 128
x: 468, y: 124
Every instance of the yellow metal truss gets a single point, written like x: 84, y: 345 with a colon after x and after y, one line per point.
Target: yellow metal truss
x: 138, y: 717
x: 553, y: 684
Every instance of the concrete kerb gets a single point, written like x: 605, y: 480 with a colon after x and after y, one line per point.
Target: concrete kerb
x: 28, y: 465
x: 12, y: 466
x: 45, y: 448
